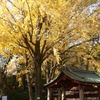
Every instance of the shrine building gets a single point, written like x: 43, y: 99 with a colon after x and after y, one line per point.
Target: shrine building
x: 75, y: 84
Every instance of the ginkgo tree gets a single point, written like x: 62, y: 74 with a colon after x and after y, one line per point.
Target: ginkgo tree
x: 40, y: 27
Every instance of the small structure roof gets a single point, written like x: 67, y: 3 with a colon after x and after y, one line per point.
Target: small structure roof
x: 82, y: 75
x: 75, y: 75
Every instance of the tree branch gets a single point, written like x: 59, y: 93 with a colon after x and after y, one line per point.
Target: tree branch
x: 43, y: 47
x: 31, y: 25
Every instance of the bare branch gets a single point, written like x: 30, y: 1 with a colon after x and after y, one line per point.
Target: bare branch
x: 29, y: 47
x: 11, y: 14
x: 75, y: 45
x: 31, y: 25
x: 13, y: 4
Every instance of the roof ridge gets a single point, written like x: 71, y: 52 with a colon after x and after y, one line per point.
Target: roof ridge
x: 78, y: 69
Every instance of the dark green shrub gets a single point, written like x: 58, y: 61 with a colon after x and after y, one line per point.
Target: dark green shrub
x: 17, y: 95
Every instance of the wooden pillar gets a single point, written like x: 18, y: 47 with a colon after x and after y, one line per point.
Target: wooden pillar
x: 63, y: 94
x: 81, y: 92
x: 99, y: 93
x: 59, y: 94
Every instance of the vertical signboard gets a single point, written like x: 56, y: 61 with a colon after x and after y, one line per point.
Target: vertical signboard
x: 4, y: 97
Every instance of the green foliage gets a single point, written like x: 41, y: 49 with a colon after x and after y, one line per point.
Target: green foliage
x: 18, y: 94
x: 11, y: 81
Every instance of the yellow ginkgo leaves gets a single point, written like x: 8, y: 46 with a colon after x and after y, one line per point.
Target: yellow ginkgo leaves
x: 56, y: 54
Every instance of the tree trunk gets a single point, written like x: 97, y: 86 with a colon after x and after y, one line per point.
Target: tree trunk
x: 38, y: 59
x: 25, y: 82
x: 3, y: 91
x: 2, y: 85
x: 29, y: 86
x: 37, y: 81
x: 28, y: 80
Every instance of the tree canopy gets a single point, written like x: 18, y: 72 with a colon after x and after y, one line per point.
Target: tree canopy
x: 45, y: 29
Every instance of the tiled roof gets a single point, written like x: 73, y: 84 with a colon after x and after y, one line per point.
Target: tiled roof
x: 76, y: 74
x: 81, y: 75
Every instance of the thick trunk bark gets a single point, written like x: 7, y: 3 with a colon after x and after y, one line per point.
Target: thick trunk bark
x: 37, y: 81
x: 38, y: 59
x: 2, y: 85
x: 29, y: 87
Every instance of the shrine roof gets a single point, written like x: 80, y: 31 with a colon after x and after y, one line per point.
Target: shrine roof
x: 76, y: 74
x: 81, y: 75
